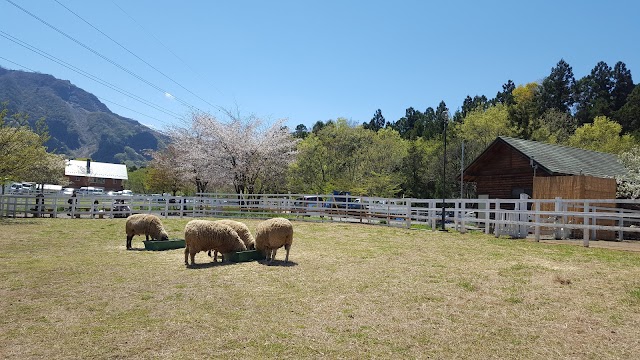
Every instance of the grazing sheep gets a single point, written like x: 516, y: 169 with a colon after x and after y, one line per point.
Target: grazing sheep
x: 272, y: 234
x: 243, y: 232
x: 147, y: 225
x: 204, y: 235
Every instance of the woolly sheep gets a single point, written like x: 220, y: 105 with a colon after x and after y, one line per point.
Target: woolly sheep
x: 272, y: 234
x: 204, y: 235
x: 147, y: 225
x: 243, y: 232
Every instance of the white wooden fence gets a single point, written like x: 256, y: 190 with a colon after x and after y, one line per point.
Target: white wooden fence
x: 549, y: 218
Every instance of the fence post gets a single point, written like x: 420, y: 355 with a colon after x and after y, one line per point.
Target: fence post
x: 536, y: 219
x: 585, y: 232
x: 558, y: 231
x: 463, y: 214
x: 620, y: 226
x: 497, y: 218
x: 487, y: 216
x: 408, y: 218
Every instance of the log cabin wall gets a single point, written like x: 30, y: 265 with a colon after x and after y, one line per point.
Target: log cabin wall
x: 504, y: 173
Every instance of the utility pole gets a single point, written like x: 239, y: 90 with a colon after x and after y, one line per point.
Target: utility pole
x: 444, y: 169
x: 462, y: 172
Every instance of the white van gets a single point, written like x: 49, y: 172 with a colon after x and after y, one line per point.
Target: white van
x: 90, y: 190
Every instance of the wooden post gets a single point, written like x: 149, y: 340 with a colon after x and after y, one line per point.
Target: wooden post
x: 463, y: 214
x: 620, y: 225
x: 585, y: 232
x: 497, y: 216
x: 536, y: 219
x: 408, y: 219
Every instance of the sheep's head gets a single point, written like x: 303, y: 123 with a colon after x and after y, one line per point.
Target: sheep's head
x: 251, y: 246
x: 164, y: 235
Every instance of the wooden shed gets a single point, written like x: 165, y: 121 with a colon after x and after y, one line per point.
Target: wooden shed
x: 508, y: 166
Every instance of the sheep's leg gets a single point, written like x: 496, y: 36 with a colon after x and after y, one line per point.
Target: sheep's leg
x: 186, y: 256
x: 215, y: 256
x: 193, y: 258
x: 287, y: 247
x: 129, y: 237
x: 146, y: 236
x: 273, y: 255
x: 209, y: 253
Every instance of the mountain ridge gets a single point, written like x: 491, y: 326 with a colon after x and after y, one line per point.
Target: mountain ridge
x: 80, y: 125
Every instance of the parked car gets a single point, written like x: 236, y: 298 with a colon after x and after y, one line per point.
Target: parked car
x: 343, y: 200
x: 121, y: 209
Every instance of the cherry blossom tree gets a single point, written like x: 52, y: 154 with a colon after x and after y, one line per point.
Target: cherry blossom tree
x: 240, y: 152
x: 629, y: 183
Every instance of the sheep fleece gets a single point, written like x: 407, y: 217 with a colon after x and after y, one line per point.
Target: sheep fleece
x: 204, y: 235
x: 145, y: 224
x: 242, y: 230
x: 273, y: 234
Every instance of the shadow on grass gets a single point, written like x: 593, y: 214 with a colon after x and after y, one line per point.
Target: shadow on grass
x: 278, y: 263
x: 206, y: 265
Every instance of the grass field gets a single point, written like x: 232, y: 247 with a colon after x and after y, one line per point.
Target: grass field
x: 69, y: 289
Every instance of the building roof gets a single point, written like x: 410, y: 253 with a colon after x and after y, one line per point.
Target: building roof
x: 565, y: 160
x: 96, y: 169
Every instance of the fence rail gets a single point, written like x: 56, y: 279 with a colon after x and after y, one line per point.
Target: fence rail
x: 609, y: 219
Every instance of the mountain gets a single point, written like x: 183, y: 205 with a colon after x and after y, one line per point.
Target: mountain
x: 79, y: 124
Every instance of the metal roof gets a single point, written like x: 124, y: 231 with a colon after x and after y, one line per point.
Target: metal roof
x: 565, y: 160
x: 97, y: 169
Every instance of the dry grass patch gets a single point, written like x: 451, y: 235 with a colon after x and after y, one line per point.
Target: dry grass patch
x: 69, y: 289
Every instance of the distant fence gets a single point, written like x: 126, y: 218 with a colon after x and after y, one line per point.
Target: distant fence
x: 608, y: 219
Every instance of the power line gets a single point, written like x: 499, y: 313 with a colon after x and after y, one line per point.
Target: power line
x: 100, y: 98
x: 86, y: 74
x: 166, y: 48
x: 102, y: 56
x: 132, y: 53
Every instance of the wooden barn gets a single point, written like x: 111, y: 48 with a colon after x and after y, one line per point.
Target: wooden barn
x: 508, y: 166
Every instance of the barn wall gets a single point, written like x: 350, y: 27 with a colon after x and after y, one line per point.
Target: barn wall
x: 577, y: 187
x: 507, y: 174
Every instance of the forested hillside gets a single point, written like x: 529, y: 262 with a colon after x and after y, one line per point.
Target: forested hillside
x: 600, y: 111
x: 79, y: 124
x: 405, y: 157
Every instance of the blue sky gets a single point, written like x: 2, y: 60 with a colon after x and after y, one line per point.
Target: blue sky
x: 315, y: 60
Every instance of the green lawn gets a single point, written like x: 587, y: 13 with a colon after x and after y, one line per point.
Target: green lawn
x: 69, y: 289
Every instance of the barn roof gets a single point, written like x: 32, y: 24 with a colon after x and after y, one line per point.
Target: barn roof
x: 96, y: 169
x: 559, y: 159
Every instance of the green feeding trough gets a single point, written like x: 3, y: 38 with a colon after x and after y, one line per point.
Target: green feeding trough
x: 164, y: 244
x: 242, y: 256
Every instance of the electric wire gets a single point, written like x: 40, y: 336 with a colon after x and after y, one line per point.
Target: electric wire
x: 168, y: 49
x: 102, y: 99
x: 86, y: 74
x: 191, y: 107
x: 133, y: 54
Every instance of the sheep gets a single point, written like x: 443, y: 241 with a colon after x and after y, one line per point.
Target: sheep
x: 147, y: 224
x: 243, y: 232
x: 204, y: 235
x: 272, y: 234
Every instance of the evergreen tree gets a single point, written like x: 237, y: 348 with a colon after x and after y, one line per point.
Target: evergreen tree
x: 432, y: 127
x: 506, y: 95
x: 622, y: 85
x: 628, y: 116
x: 594, y: 93
x: 557, y: 89
x: 301, y: 132
x: 377, y: 122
